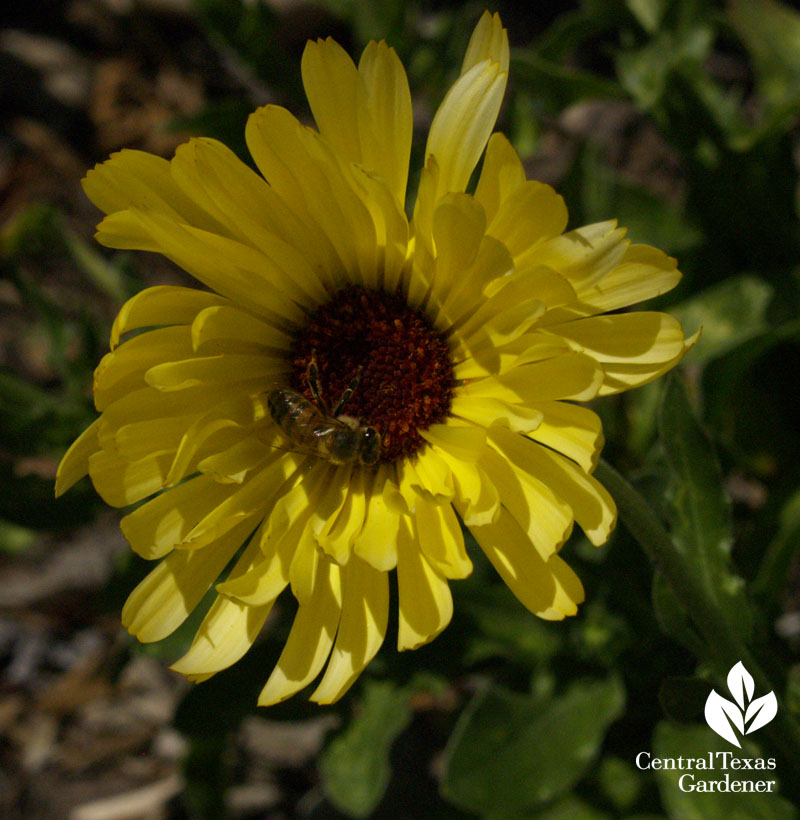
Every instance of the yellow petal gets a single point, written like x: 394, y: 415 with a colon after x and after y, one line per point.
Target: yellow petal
x: 549, y: 286
x: 389, y: 106
x: 225, y: 424
x: 75, y: 463
x: 466, y: 117
x: 337, y: 536
x: 624, y: 376
x: 136, y: 179
x: 119, y: 482
x: 457, y: 304
x: 569, y: 591
x: 234, y: 463
x: 501, y: 318
x: 464, y: 442
x: 529, y: 214
x: 225, y: 635
x: 425, y: 603
x: 520, y: 566
x: 583, y: 256
x: 337, y: 97
x: 272, y: 264
x: 169, y: 594
x: 221, y: 370
x: 161, y: 305
x: 501, y: 173
x: 483, y: 358
x: 642, y: 273
x: 221, y: 329
x: 250, y: 500
x: 157, y: 526
x: 310, y: 640
x: 439, y: 536
x: 364, y: 114
x: 142, y: 438
x: 593, y: 507
x: 252, y: 212
x: 299, y: 165
x: 122, y: 371
x: 572, y: 430
x: 148, y: 404
x: 305, y: 564
x: 430, y: 474
x: 458, y: 227
x: 476, y: 497
x: 365, y: 610
x: 569, y: 376
x: 267, y: 574
x: 204, y: 255
x: 377, y: 542
x: 488, y: 411
x: 489, y: 41
x: 635, y: 338
x: 329, y: 500
x: 228, y: 630
x: 545, y: 519
x: 391, y: 229
x: 462, y: 125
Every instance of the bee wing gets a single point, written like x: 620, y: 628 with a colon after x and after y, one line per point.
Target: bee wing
x: 323, y: 430
x: 278, y: 440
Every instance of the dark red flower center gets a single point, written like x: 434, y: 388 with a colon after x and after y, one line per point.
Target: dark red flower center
x: 406, y: 376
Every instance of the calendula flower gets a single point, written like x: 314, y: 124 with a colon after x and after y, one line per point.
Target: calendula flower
x: 455, y: 343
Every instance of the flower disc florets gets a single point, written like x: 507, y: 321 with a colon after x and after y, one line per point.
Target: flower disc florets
x: 406, y: 377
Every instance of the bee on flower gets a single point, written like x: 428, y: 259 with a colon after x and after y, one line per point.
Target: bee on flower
x: 453, y: 349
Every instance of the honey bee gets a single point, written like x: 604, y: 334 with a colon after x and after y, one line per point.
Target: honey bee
x: 311, y: 428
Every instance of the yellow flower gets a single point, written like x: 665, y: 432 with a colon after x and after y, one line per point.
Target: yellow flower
x: 465, y: 335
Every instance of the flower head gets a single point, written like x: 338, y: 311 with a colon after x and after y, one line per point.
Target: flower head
x: 353, y: 385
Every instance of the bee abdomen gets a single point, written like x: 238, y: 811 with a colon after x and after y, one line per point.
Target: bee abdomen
x: 293, y: 413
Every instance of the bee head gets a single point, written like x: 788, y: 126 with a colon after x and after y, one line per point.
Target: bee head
x: 371, y: 447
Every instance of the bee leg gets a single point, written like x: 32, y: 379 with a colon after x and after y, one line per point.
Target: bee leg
x: 312, y: 377
x: 348, y: 391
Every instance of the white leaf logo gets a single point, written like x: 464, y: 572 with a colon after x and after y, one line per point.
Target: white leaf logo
x: 761, y: 711
x: 720, y: 713
x: 740, y: 681
x: 724, y: 716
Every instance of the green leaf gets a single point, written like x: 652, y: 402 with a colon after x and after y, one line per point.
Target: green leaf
x: 702, y: 513
x: 729, y: 313
x: 504, y: 629
x: 648, y: 13
x: 671, y: 615
x: 556, y: 86
x: 771, y: 33
x: 14, y: 538
x: 645, y: 817
x: 671, y: 741
x: 620, y: 781
x: 372, y: 21
x: 567, y: 808
x: 355, y: 765
x: 682, y: 698
x: 645, y: 72
x: 512, y: 752
x: 792, y: 697
x: 773, y: 573
x: 725, y: 377
x: 647, y: 217
x: 103, y: 275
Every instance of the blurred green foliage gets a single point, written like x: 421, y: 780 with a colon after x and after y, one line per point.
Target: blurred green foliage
x: 544, y: 720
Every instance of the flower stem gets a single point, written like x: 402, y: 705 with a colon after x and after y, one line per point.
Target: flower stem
x: 725, y: 644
